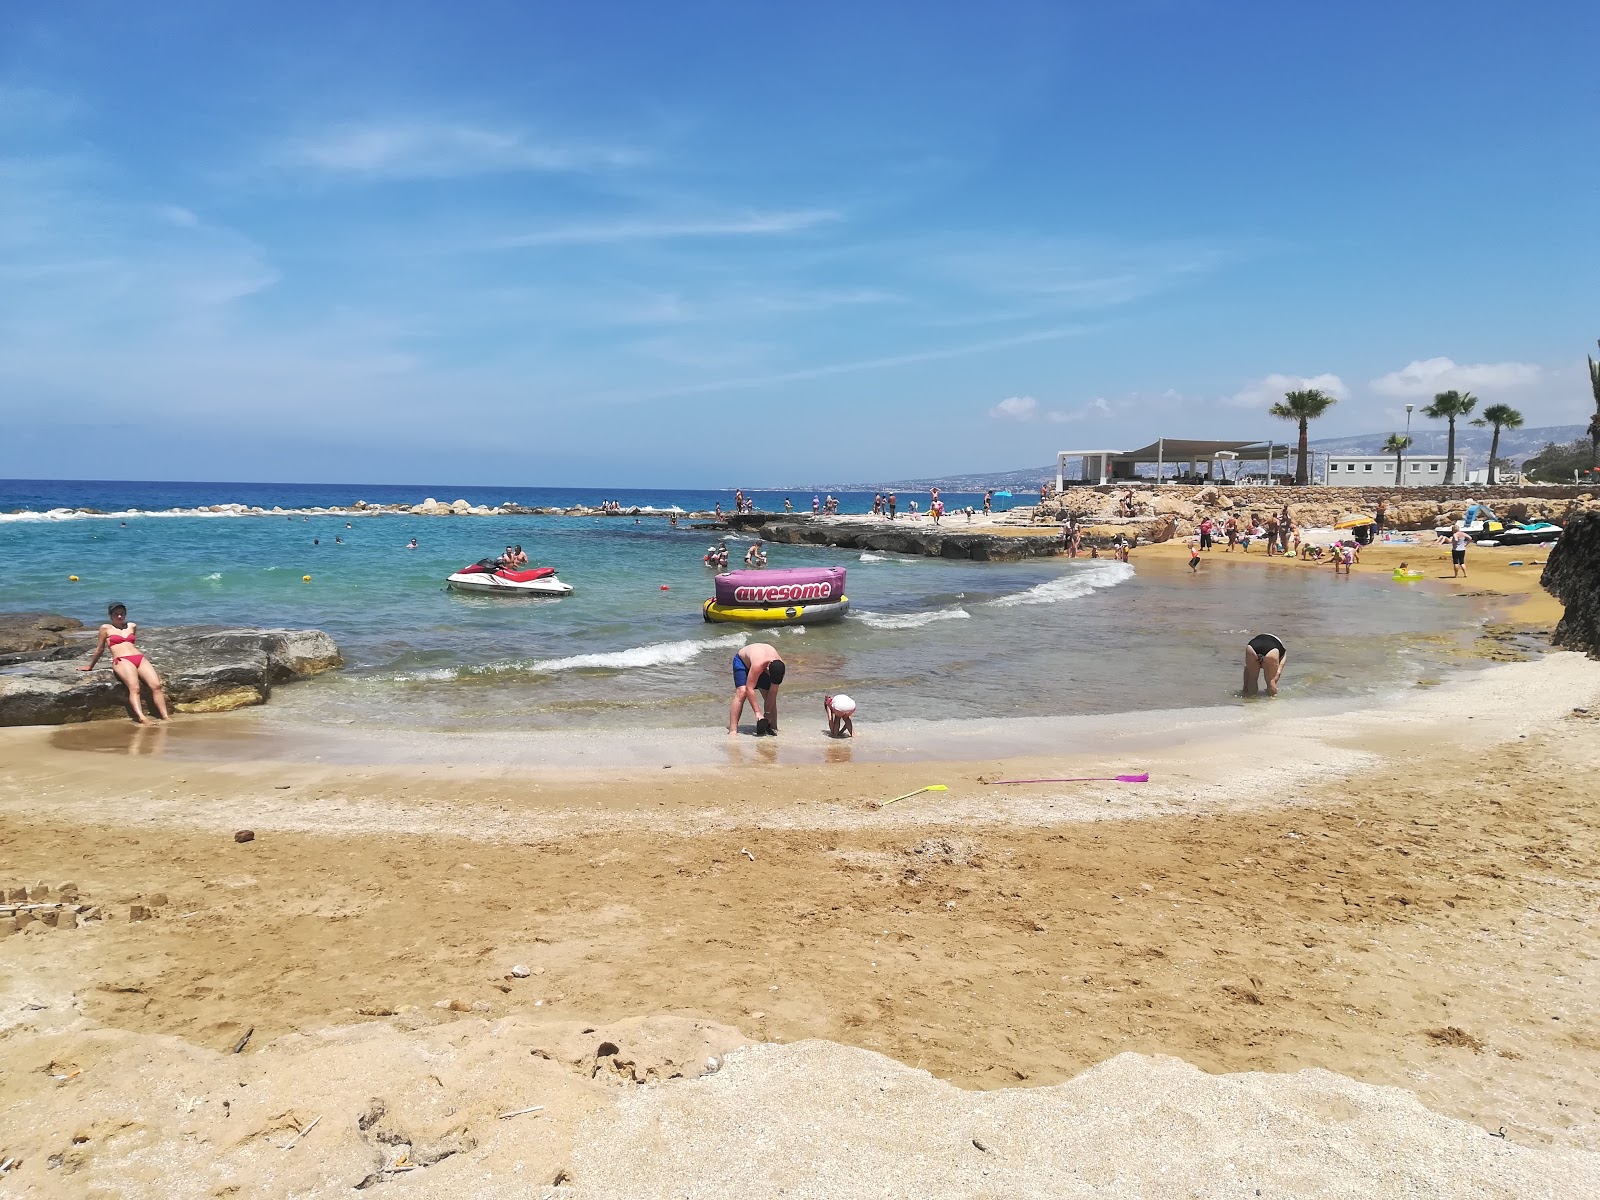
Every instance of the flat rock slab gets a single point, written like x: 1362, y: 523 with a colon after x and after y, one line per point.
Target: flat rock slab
x: 908, y: 537
x: 204, y: 669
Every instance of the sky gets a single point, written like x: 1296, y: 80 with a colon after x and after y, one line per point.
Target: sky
x: 718, y: 244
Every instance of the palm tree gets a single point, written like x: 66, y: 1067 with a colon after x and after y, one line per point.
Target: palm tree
x: 1447, y: 406
x: 1303, y: 407
x: 1501, y: 416
x: 1397, y: 446
x: 1594, y: 421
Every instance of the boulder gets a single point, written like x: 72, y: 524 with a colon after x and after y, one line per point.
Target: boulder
x: 1572, y: 576
x: 31, y: 636
x: 204, y: 669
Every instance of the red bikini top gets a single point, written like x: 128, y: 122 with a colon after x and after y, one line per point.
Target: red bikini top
x: 116, y: 639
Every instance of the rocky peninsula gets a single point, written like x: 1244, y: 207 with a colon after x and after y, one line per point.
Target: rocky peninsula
x: 205, y: 668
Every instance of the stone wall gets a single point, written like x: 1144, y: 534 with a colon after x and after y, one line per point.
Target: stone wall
x: 1572, y: 576
x: 1320, y: 507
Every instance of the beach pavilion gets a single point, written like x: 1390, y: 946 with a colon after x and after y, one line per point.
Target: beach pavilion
x: 1196, y: 461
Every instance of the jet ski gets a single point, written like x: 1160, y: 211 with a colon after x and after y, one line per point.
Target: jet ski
x: 1477, y: 531
x: 488, y: 575
x: 1526, y: 533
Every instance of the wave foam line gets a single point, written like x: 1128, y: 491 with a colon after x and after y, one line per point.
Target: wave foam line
x: 657, y: 654
x: 1072, y: 586
x: 874, y: 620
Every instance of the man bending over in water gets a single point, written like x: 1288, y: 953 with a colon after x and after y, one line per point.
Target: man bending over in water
x: 756, y: 668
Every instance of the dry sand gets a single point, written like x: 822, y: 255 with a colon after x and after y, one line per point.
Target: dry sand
x: 1309, y: 911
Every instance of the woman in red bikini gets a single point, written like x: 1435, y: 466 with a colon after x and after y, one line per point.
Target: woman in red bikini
x: 117, y: 635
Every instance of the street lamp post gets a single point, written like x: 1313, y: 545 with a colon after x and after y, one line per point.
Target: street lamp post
x: 1409, y: 407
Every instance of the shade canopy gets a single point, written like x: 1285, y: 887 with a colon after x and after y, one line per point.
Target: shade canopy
x: 1184, y: 449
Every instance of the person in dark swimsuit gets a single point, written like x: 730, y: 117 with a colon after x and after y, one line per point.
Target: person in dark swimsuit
x: 118, y: 636
x: 1264, y: 656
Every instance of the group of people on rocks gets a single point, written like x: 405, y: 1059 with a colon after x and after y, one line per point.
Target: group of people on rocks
x: 1072, y: 542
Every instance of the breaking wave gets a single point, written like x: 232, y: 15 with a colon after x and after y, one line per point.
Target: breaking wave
x: 908, y: 620
x: 657, y: 654
x: 1071, y: 586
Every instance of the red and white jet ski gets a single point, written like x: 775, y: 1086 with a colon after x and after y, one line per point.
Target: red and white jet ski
x: 490, y: 576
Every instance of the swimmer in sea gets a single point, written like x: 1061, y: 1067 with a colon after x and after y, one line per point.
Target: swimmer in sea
x: 412, y: 545
x: 765, y: 665
x: 1264, y: 657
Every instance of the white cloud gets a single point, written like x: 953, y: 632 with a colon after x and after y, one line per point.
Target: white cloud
x: 1425, y: 377
x: 1269, y: 390
x: 646, y: 230
x: 1016, y: 408
x: 434, y: 150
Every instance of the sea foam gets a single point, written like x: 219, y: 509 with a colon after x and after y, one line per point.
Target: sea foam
x: 908, y: 620
x: 1079, y: 582
x: 657, y: 654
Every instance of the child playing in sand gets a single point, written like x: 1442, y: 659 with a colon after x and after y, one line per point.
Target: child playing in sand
x: 840, y: 709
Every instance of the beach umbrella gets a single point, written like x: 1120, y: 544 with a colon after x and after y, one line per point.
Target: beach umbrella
x: 1355, y: 521
x: 999, y: 495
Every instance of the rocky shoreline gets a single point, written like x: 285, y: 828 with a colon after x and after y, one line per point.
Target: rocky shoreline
x: 1572, y: 576
x: 906, y: 537
x: 204, y: 668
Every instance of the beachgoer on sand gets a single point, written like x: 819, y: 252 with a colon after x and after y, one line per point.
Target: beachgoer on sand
x: 841, y: 712
x: 1460, y: 539
x: 1194, y: 556
x: 1264, y: 656
x: 118, y: 636
x: 761, y: 660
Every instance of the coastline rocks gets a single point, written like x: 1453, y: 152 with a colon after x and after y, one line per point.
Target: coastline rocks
x: 205, y: 669
x: 926, y: 541
x: 1318, y: 507
x: 1572, y: 576
x: 31, y: 636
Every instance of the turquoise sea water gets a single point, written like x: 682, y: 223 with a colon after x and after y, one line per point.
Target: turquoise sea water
x: 926, y: 637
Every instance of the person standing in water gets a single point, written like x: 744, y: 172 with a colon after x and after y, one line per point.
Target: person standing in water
x: 1264, y: 656
x: 761, y: 662
x: 118, y: 635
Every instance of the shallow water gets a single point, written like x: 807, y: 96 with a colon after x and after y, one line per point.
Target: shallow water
x: 926, y: 638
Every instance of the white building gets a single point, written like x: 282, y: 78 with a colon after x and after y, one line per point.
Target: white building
x: 1377, y: 470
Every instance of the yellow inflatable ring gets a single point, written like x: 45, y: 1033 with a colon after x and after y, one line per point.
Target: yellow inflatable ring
x: 793, y: 614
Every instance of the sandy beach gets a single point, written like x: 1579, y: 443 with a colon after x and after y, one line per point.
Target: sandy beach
x: 1318, y: 954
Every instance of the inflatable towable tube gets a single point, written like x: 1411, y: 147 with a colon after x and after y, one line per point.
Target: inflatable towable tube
x: 788, y: 596
x: 794, y: 614
x: 788, y: 585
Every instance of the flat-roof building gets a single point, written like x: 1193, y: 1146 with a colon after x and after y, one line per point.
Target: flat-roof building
x: 1377, y: 470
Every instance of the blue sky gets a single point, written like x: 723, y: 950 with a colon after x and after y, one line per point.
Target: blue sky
x: 717, y: 244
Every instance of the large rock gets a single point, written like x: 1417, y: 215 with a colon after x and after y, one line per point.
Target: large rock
x: 28, y: 636
x: 912, y: 538
x: 204, y: 669
x: 1572, y: 576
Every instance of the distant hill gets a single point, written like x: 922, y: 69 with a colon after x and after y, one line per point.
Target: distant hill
x: 1472, y: 444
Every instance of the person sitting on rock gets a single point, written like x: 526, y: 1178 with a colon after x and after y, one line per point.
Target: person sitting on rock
x: 133, y: 668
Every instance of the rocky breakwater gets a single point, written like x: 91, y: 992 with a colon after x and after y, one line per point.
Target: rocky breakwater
x: 1184, y: 507
x: 1572, y: 576
x: 204, y: 668
x: 907, y: 537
